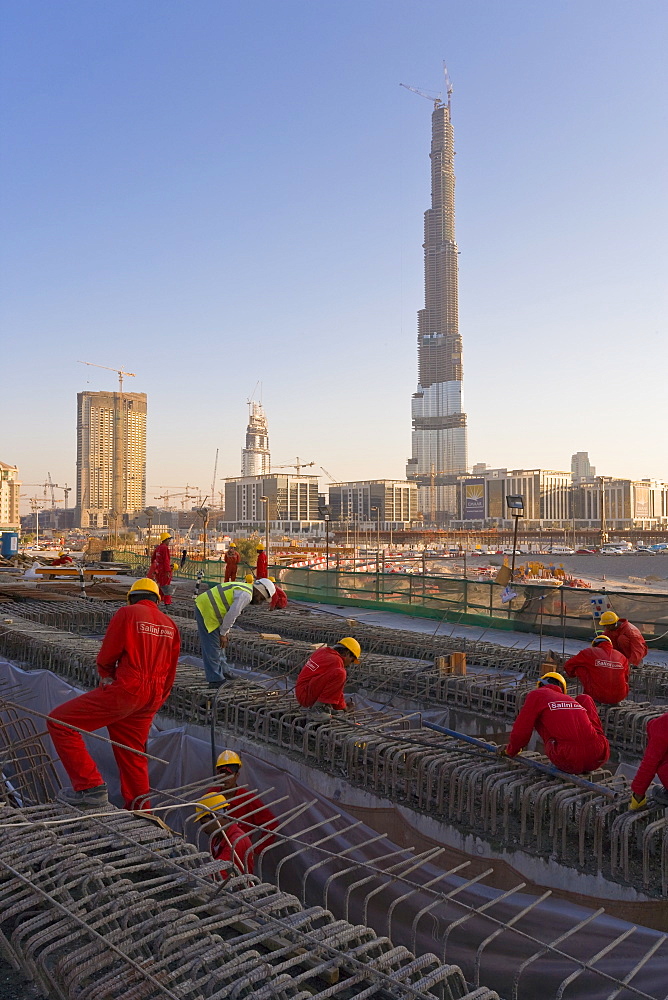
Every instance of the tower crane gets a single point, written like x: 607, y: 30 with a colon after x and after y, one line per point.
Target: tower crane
x: 119, y: 372
x: 436, y: 99
x: 329, y: 475
x: 213, y: 481
x: 298, y: 465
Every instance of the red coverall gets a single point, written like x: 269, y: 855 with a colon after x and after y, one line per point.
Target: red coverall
x: 279, y: 600
x: 161, y: 569
x: 248, y: 811
x: 627, y: 639
x: 62, y: 561
x: 239, y: 845
x: 139, y: 652
x: 569, y: 727
x: 603, y: 673
x: 655, y: 758
x: 262, y: 566
x: 322, y: 680
x: 232, y: 560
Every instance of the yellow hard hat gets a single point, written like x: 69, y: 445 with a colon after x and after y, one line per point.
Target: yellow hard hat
x: 272, y: 578
x: 209, y: 803
x: 552, y: 676
x: 145, y: 584
x: 260, y: 545
x: 352, y: 645
x: 232, y: 545
x: 598, y: 639
x: 249, y: 578
x: 165, y: 535
x: 609, y: 618
x: 228, y: 757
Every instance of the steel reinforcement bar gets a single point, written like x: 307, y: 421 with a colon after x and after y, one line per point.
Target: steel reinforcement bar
x: 476, y: 792
x: 118, y: 907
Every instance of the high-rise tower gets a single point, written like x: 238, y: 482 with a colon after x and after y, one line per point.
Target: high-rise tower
x: 439, y: 424
x: 111, y: 456
x: 255, y: 457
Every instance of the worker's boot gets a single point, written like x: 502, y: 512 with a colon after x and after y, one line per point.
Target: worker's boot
x: 89, y: 798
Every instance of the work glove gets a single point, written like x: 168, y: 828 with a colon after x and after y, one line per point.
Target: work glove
x: 637, y: 803
x: 501, y: 752
x: 224, y: 641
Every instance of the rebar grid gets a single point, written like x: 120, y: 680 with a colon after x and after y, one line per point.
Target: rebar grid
x: 27, y: 773
x: 495, y: 694
x: 116, y: 906
x: 465, y: 788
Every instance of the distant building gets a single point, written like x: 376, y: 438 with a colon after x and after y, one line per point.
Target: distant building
x: 255, y: 457
x: 10, y: 488
x: 390, y: 500
x: 439, y: 449
x: 581, y: 468
x: 291, y: 499
x: 111, y: 456
x: 482, y: 498
x: 623, y: 503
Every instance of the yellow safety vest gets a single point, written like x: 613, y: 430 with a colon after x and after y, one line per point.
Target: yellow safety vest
x: 214, y: 604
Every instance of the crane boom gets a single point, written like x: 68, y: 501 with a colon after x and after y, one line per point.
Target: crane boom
x: 119, y: 372
x: 294, y: 465
x: 213, y: 481
x: 436, y: 99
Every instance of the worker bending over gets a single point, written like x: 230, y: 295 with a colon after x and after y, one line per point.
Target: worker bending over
x: 280, y: 598
x: 216, y: 611
x: 228, y: 841
x: 569, y: 727
x: 655, y: 761
x: 137, y: 665
x: 602, y: 671
x: 232, y: 560
x: 160, y: 569
x: 262, y: 565
x: 62, y: 560
x: 625, y: 637
x: 246, y: 808
x: 322, y: 678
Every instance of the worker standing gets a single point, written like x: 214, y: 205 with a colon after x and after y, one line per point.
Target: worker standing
x: 625, y: 637
x: 262, y: 565
x: 246, y: 808
x: 137, y: 666
x: 602, y: 671
x: 160, y: 569
x: 228, y: 841
x: 216, y: 611
x: 322, y: 678
x: 569, y: 727
x: 654, y: 761
x: 232, y: 560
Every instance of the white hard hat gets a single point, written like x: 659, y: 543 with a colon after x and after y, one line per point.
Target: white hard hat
x: 265, y: 584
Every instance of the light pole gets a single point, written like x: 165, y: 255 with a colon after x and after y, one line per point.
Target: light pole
x: 265, y: 501
x: 204, y: 514
x: 515, y: 504
x: 327, y: 512
x: 377, y: 510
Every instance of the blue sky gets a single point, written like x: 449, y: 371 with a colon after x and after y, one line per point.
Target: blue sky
x: 214, y: 193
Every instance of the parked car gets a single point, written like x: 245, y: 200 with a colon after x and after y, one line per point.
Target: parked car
x: 562, y: 550
x: 586, y: 552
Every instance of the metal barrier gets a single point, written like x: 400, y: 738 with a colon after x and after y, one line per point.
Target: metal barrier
x: 555, y: 610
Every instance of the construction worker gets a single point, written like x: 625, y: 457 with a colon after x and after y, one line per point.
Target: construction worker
x: 261, y: 566
x: 280, y: 598
x: 323, y: 676
x: 655, y: 761
x: 625, y: 637
x: 137, y: 666
x: 228, y: 841
x: 232, y: 560
x: 62, y: 560
x: 160, y: 569
x: 245, y: 807
x: 602, y: 671
x: 569, y: 727
x: 216, y: 611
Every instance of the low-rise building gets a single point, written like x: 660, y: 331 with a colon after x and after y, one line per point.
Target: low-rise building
x: 290, y: 498
x: 387, y: 500
x: 481, y: 499
x: 10, y: 489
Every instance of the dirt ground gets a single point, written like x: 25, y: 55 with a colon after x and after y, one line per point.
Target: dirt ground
x: 14, y: 987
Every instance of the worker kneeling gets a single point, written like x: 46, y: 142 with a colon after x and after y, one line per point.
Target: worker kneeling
x: 322, y: 678
x: 569, y: 727
x: 602, y: 670
x: 137, y: 665
x: 228, y: 841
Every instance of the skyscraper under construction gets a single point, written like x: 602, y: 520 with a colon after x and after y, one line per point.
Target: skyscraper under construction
x: 439, y: 424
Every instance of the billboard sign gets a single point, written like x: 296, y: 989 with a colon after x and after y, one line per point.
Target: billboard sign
x: 641, y: 502
x: 474, y: 500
